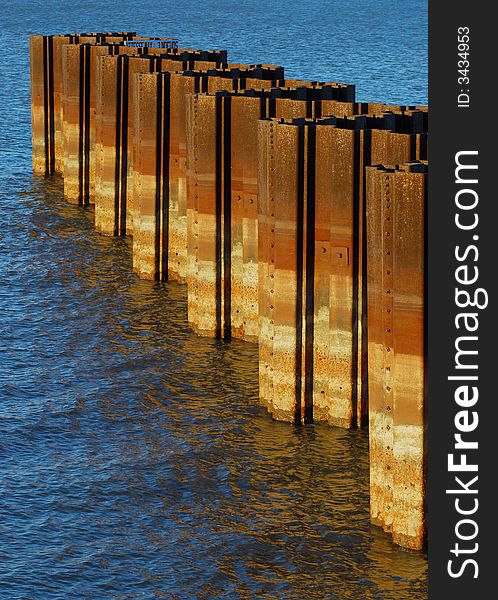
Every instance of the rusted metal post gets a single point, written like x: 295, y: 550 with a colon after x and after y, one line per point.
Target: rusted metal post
x: 336, y: 319
x: 180, y: 86
x: 396, y: 200
x: 116, y: 104
x: 46, y: 54
x: 240, y: 181
x: 46, y: 72
x: 76, y: 110
x: 150, y: 234
x: 42, y: 156
x: 282, y: 273
x: 80, y: 91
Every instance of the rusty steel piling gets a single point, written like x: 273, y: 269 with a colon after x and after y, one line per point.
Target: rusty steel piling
x: 396, y: 205
x: 115, y: 123
x: 318, y: 371
x: 153, y: 257
x: 294, y: 213
x: 234, y: 117
x: 46, y: 60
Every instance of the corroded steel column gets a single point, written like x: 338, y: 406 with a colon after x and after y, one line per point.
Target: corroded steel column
x: 208, y: 283
x: 108, y: 129
x: 334, y: 326
x: 77, y: 76
x: 245, y: 112
x: 283, y: 208
x: 180, y: 86
x: 75, y: 62
x: 46, y: 54
x: 42, y: 153
x: 246, y: 107
x: 335, y: 310
x: 116, y: 101
x: 150, y: 241
x: 396, y: 200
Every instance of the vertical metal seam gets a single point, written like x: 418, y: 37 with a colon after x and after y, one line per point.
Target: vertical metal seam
x: 218, y: 215
x: 299, y: 273
x: 310, y: 273
x: 45, y: 103
x: 86, y: 125
x: 355, y: 273
x: 165, y: 174
x: 117, y: 158
x: 157, y: 207
x: 227, y: 217
x: 51, y: 104
x: 124, y: 148
x: 81, y: 122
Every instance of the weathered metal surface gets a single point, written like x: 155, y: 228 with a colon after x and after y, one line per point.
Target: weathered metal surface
x: 205, y: 203
x: 114, y: 194
x: 267, y: 222
x: 335, y: 347
x: 82, y: 164
x: 245, y: 112
x: 335, y: 195
x: 46, y: 83
x: 181, y: 85
x: 114, y: 182
x: 47, y: 56
x: 306, y: 265
x: 79, y: 120
x: 58, y: 45
x: 246, y: 107
x: 81, y: 146
x: 409, y: 355
x: 396, y: 298
x: 147, y: 245
x: 41, y: 156
x: 106, y: 146
x: 281, y: 270
x: 74, y: 59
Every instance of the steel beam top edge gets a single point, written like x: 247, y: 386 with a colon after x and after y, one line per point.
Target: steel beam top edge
x: 299, y: 93
x: 388, y: 121
x: 412, y: 166
x: 92, y: 34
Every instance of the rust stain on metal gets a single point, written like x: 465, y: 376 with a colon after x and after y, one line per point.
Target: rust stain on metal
x: 266, y: 196
x: 396, y: 201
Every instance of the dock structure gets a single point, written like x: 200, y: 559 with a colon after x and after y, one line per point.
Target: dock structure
x: 294, y: 214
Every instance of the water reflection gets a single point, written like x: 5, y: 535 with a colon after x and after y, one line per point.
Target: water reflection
x: 137, y: 462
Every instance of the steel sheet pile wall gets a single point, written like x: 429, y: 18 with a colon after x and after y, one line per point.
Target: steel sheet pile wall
x: 295, y: 215
x: 115, y: 122
x: 80, y: 107
x: 223, y: 275
x: 46, y: 58
x: 396, y: 200
x: 160, y: 159
x: 311, y: 242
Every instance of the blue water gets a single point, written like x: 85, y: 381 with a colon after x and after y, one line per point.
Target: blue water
x: 134, y: 459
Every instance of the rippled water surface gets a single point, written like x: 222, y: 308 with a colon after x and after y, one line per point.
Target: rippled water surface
x: 134, y: 459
